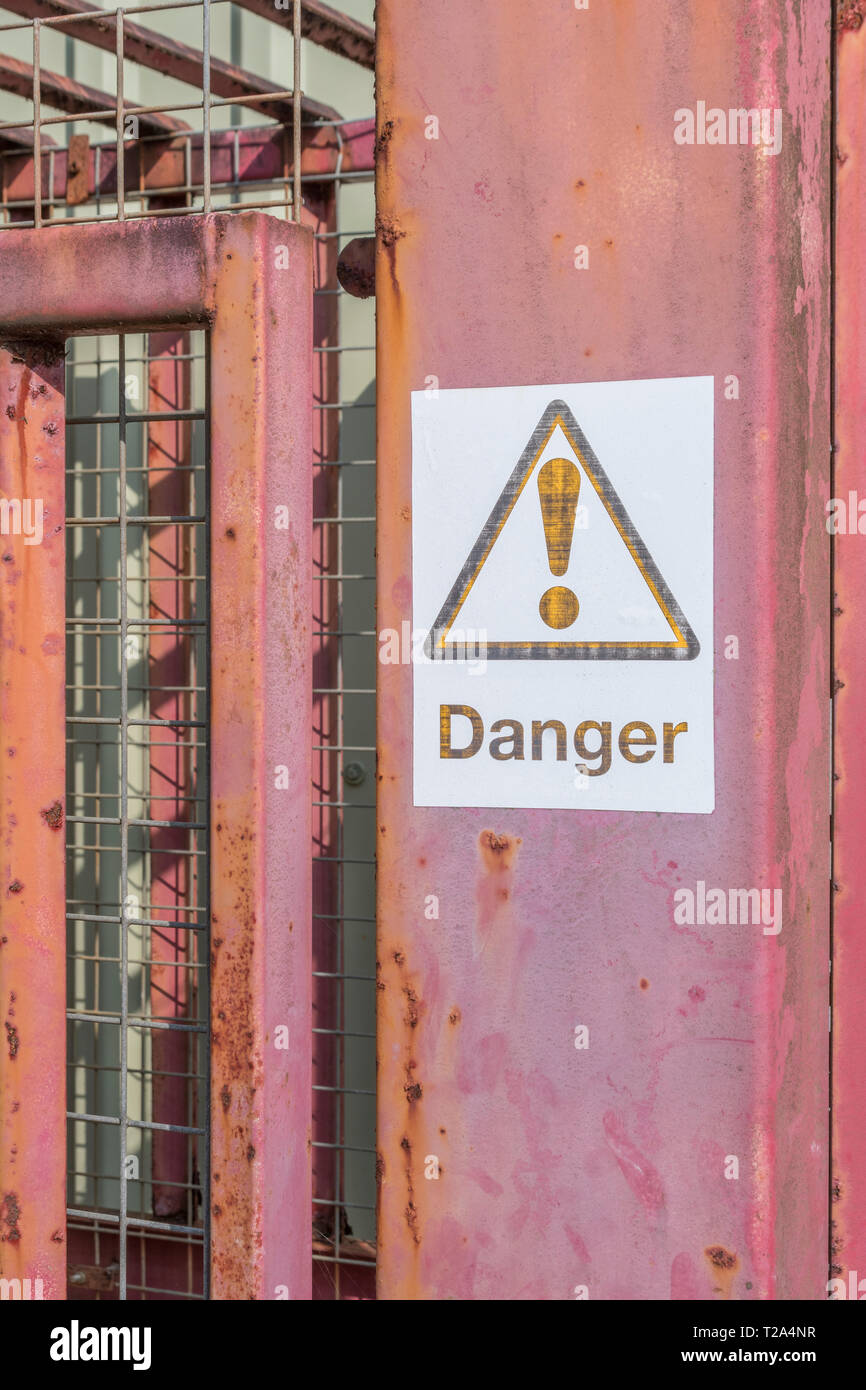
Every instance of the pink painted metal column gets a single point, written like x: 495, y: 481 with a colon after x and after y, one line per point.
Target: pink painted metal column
x: 607, y: 1172
x: 848, y: 1242
x: 261, y: 530
x: 33, y: 865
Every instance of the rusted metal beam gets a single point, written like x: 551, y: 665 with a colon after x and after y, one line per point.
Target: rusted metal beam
x: 33, y: 854
x: 247, y: 278
x: 253, y: 155
x: 20, y: 138
x: 170, y: 57
x: 322, y: 25
x: 605, y: 1168
x: 845, y: 517
x: 76, y: 99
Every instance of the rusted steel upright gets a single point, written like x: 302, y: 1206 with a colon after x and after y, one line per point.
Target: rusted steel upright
x: 33, y: 857
x: 607, y: 1171
x: 246, y: 277
x: 845, y: 515
x: 260, y: 520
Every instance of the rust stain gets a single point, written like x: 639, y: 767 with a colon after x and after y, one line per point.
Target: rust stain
x: 383, y: 138
x: 10, y: 1215
x: 412, y: 1012
x: 388, y: 230
x: 53, y: 815
x: 498, y: 851
x: 413, y: 1089
x: 411, y: 1212
x: 724, y: 1265
x: 851, y: 14
x: 493, y: 891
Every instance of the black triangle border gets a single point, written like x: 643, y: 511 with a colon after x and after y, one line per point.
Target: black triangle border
x: 611, y: 651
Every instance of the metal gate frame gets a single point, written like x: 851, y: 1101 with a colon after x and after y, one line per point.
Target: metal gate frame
x: 246, y: 277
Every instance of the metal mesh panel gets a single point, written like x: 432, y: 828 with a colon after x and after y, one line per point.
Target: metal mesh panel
x: 344, y: 1168
x: 137, y: 654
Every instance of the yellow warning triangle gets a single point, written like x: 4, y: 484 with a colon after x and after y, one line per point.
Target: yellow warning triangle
x: 559, y: 490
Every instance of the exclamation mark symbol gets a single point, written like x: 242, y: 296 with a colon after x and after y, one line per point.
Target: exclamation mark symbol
x: 558, y: 489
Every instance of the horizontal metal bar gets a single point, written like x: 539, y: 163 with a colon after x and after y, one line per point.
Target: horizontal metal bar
x: 343, y: 1033
x: 140, y: 1222
x: 344, y: 1091
x: 131, y: 1124
x: 136, y: 521
x: 345, y: 1148
x: 333, y: 1202
x: 136, y: 921
x: 339, y: 917
x: 139, y: 824
x: 111, y: 625
x: 119, y: 722
x: 336, y: 975
x: 136, y: 417
x: 169, y: 1026
x: 344, y: 1260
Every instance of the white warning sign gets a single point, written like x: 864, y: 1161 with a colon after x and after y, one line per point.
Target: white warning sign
x: 562, y: 631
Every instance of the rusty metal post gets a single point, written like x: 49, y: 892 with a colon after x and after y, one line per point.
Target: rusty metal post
x: 33, y: 869
x: 261, y: 528
x: 845, y: 519
x: 607, y: 1172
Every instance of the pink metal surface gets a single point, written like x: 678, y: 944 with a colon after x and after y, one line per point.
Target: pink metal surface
x: 261, y: 449
x: 33, y: 858
x: 848, y: 1243
x: 604, y: 1169
x: 248, y: 278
